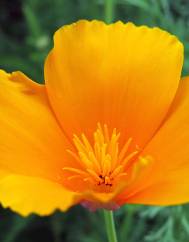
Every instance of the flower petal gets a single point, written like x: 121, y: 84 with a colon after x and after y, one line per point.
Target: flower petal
x: 31, y: 142
x: 119, y: 74
x: 166, y: 182
x: 27, y: 195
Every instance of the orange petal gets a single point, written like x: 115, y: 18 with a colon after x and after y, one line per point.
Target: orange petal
x: 3, y: 173
x: 27, y: 195
x: 31, y: 142
x: 167, y: 180
x: 119, y: 74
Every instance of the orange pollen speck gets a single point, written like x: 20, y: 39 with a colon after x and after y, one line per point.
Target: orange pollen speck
x: 101, y: 165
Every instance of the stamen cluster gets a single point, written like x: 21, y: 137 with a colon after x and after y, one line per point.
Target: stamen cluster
x: 102, y: 165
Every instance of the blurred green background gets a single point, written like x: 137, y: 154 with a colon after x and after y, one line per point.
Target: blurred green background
x: 26, y: 30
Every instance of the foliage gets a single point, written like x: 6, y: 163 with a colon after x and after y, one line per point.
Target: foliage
x: 26, y: 29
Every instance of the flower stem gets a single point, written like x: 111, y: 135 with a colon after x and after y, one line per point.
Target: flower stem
x: 110, y: 226
x: 109, y: 10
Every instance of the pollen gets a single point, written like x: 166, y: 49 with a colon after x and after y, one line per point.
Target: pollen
x: 103, y: 165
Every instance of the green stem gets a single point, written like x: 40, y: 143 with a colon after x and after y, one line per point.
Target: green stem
x: 109, y: 10
x: 110, y: 226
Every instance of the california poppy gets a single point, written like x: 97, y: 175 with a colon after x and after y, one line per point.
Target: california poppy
x: 110, y: 126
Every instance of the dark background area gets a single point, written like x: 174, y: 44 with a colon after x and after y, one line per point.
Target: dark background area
x: 26, y: 30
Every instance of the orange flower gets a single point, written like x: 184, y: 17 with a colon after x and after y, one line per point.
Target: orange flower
x: 109, y: 127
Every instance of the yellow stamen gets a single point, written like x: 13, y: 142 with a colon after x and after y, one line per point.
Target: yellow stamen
x: 73, y: 177
x: 85, y: 160
x: 88, y: 179
x: 124, y: 149
x: 103, y: 164
x: 106, y: 133
x: 94, y: 175
x: 117, y: 171
x: 74, y: 170
x: 95, y: 162
x: 129, y: 157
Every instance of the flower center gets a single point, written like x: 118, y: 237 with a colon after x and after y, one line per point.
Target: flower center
x: 102, y: 166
